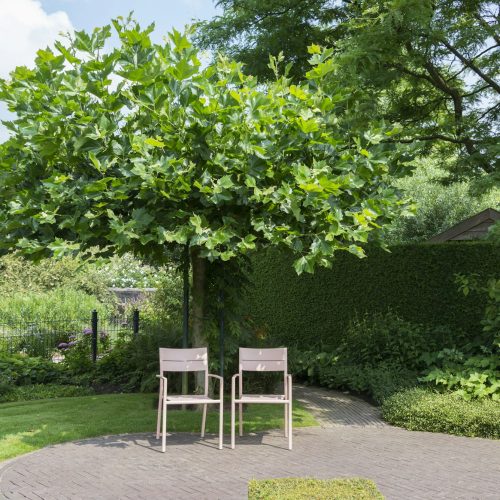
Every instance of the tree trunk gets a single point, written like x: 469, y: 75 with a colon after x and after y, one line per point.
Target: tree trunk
x: 198, y: 266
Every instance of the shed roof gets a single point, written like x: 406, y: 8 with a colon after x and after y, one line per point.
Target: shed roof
x: 469, y: 229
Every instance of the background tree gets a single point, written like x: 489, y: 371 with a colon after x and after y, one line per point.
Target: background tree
x: 430, y: 65
x: 250, y: 30
x: 142, y: 149
x: 441, y: 203
x: 434, y: 68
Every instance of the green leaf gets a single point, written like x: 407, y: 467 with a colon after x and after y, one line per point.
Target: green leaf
x: 154, y: 142
x: 314, y: 49
x: 297, y: 92
x: 141, y: 218
x: 357, y: 251
x: 225, y: 182
x: 307, y: 126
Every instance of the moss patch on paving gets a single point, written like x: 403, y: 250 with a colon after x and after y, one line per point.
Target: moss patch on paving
x: 31, y: 425
x: 312, y: 489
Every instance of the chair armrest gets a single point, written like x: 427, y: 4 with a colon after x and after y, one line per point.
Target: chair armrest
x: 165, y: 385
x: 233, y: 381
x: 221, y: 383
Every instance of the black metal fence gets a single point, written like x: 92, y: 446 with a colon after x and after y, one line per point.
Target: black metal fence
x: 51, y: 338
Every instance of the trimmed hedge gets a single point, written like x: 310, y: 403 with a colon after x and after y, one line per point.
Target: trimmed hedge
x: 424, y: 410
x: 415, y: 281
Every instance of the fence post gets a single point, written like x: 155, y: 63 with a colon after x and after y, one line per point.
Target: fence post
x: 94, y: 335
x: 135, y: 322
x: 185, y: 314
x: 221, y: 332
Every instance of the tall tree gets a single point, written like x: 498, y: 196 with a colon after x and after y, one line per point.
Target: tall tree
x: 142, y: 148
x: 431, y: 65
x: 250, y: 30
x: 434, y: 68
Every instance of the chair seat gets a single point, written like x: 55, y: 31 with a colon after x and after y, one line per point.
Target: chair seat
x: 190, y: 399
x: 262, y: 398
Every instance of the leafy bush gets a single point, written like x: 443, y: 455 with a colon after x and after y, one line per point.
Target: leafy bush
x: 43, y: 391
x: 165, y: 304
x: 297, y: 488
x: 19, y: 370
x: 474, y: 370
x: 123, y: 271
x: 22, y: 275
x: 386, y: 338
x: 422, y: 410
x: 133, y: 363
x: 378, y: 356
x: 328, y: 370
x: 78, y: 351
x: 466, y: 375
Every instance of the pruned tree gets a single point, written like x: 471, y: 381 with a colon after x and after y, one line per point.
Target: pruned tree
x: 142, y: 149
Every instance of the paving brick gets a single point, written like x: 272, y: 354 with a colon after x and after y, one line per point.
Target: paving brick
x: 352, y: 440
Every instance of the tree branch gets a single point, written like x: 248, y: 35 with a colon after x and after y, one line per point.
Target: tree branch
x: 497, y: 105
x: 432, y: 137
x: 488, y: 28
x: 410, y: 72
x: 472, y: 66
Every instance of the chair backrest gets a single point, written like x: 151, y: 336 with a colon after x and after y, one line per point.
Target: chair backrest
x: 263, y: 360
x: 183, y: 360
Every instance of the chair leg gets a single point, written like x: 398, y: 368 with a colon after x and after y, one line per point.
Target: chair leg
x: 221, y: 424
x: 164, y: 427
x: 286, y: 420
x: 240, y: 412
x: 290, y: 425
x: 160, y: 400
x: 203, y: 420
x: 233, y: 423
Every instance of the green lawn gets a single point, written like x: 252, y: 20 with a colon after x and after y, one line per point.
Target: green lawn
x: 313, y: 489
x: 30, y: 425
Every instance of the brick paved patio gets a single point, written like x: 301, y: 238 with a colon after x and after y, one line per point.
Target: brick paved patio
x: 352, y: 441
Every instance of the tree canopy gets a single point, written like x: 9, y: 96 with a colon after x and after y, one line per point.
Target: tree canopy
x: 141, y: 147
x: 430, y: 65
x: 250, y: 30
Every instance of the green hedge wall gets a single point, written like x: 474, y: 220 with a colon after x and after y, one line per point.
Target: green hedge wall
x: 416, y: 281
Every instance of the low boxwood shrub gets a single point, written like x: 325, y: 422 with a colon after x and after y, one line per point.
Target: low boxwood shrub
x: 297, y: 488
x: 43, y: 391
x: 420, y: 409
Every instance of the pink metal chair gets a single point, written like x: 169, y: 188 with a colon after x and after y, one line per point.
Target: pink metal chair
x: 262, y: 360
x: 186, y: 360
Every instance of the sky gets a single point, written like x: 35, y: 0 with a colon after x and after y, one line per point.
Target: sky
x: 28, y: 25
